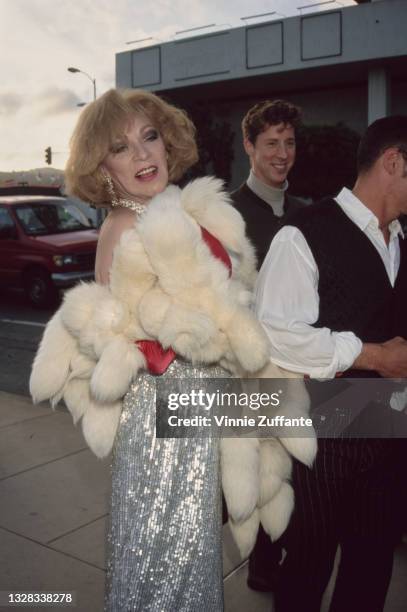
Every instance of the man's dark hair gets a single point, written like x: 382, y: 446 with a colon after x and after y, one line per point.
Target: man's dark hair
x: 269, y: 112
x: 379, y: 136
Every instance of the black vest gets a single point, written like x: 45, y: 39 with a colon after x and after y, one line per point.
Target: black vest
x: 261, y: 222
x: 354, y: 290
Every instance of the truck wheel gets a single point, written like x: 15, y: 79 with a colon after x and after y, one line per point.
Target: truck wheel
x: 39, y: 289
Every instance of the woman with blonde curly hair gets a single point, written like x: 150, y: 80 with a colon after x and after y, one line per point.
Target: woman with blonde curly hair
x: 174, y: 271
x: 168, y: 133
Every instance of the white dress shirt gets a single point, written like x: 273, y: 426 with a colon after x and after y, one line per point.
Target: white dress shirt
x: 287, y: 300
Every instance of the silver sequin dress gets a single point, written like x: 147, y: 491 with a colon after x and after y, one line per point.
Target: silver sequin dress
x: 165, y: 549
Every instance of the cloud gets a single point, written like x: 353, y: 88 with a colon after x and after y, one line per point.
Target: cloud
x: 10, y: 103
x: 55, y: 101
x: 44, y: 37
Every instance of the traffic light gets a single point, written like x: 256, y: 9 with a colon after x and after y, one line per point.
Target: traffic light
x: 48, y: 156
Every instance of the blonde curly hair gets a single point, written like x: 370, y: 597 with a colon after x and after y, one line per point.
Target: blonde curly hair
x: 105, y: 120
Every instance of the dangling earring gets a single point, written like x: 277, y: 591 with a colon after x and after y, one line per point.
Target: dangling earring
x: 167, y: 155
x: 109, y: 186
x: 120, y: 202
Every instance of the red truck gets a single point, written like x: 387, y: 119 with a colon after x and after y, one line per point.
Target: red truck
x: 46, y: 243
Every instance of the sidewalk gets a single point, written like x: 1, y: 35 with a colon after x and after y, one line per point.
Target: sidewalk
x: 53, y: 510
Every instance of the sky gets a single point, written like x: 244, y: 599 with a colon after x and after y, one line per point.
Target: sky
x: 40, y: 39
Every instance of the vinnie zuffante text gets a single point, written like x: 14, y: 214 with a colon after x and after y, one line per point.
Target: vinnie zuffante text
x: 218, y: 400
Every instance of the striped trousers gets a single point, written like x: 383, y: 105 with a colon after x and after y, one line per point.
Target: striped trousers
x: 354, y: 497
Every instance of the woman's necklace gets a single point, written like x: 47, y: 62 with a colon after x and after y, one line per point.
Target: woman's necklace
x: 117, y: 202
x: 131, y: 204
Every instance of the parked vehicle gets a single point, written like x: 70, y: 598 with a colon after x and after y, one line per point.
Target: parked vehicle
x: 46, y: 243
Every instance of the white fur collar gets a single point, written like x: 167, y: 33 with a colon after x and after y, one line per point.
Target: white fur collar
x: 205, y: 200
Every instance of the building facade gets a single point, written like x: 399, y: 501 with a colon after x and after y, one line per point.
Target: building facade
x: 345, y: 65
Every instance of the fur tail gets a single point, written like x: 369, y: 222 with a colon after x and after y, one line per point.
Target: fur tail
x: 52, y: 362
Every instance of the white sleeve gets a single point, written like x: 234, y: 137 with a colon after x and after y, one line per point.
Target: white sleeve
x: 287, y: 305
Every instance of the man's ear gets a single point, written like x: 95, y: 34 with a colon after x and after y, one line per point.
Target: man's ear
x: 390, y: 160
x: 248, y: 146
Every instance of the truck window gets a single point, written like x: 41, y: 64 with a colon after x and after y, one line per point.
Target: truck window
x: 7, y: 226
x: 39, y: 219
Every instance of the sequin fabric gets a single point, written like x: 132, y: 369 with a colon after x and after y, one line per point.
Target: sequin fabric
x: 164, y: 542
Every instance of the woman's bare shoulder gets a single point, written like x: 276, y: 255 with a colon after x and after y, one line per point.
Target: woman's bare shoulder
x: 118, y: 221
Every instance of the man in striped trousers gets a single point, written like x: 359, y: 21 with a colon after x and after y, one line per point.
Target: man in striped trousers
x: 332, y: 296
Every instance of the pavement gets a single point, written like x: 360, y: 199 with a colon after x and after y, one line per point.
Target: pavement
x: 53, y: 515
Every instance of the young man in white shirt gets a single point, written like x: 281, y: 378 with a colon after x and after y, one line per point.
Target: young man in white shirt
x: 332, y: 296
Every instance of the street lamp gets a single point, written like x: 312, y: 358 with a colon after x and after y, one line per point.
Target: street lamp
x: 71, y: 69
x: 99, y: 213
